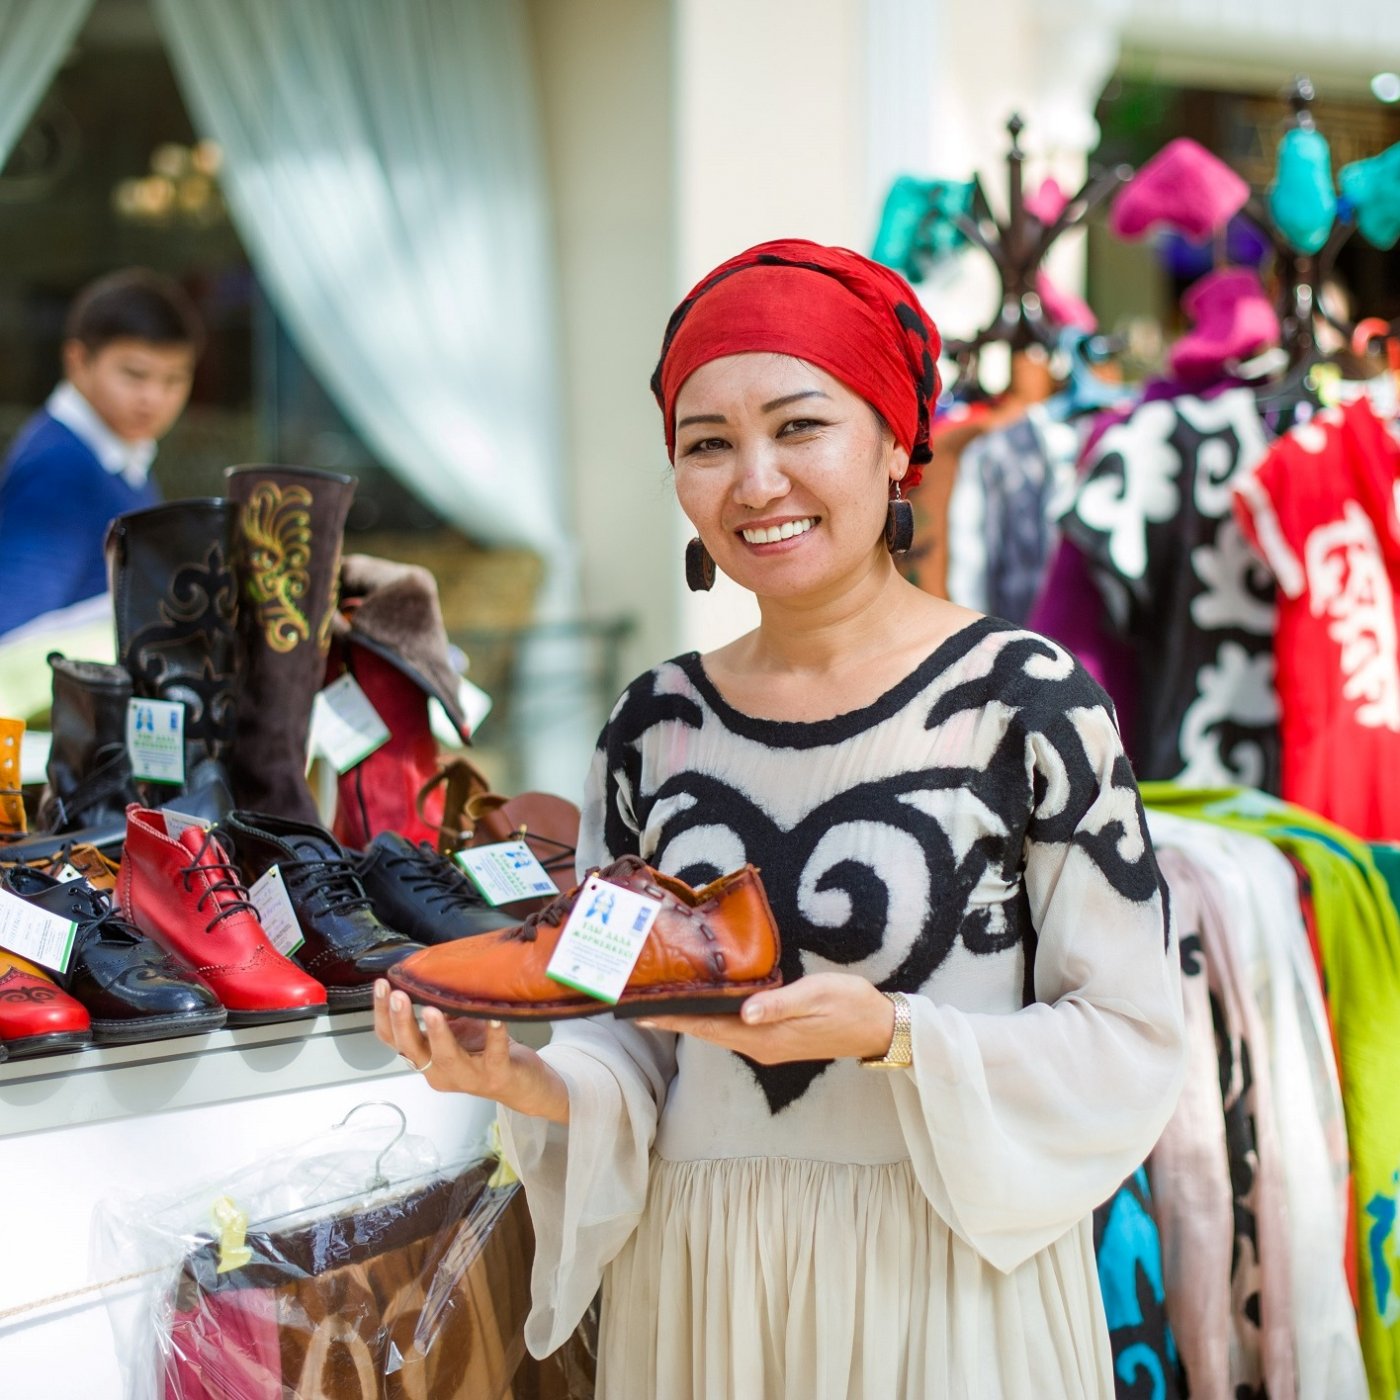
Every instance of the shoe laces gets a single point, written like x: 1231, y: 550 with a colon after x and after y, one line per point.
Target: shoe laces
x: 558, y: 908
x: 95, y: 912
x: 230, y: 894
x: 99, y: 916
x: 563, y: 854
x: 434, y: 877
x: 332, y: 880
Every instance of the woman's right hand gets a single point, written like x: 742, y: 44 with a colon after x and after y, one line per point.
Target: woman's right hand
x: 470, y: 1057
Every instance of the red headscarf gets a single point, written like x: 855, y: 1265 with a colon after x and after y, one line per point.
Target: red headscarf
x: 855, y: 319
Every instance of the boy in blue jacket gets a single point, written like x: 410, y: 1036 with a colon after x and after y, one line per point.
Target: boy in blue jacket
x: 129, y: 353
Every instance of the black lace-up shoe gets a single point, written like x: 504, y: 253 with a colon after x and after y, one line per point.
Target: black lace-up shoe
x: 423, y: 894
x: 132, y: 989
x: 347, y: 945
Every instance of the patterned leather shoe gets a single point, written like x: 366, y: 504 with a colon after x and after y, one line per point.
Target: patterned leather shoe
x: 347, y: 946
x: 422, y: 894
x: 185, y: 893
x: 132, y: 989
x: 37, y: 1016
x: 708, y: 951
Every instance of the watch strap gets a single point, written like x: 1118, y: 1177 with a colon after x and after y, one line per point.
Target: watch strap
x: 900, y: 1055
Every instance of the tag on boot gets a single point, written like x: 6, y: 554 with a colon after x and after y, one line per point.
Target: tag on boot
x: 43, y: 938
x: 176, y: 822
x: 155, y: 739
x: 345, y: 726
x: 603, y: 939
x: 505, y: 872
x: 275, y: 913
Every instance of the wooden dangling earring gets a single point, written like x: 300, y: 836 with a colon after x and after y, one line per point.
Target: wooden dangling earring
x: 699, y: 567
x: 899, y: 523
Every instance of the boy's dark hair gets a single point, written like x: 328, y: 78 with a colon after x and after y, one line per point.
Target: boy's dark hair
x: 134, y: 304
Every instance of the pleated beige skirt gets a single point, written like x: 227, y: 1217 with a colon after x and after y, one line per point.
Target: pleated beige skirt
x: 783, y: 1279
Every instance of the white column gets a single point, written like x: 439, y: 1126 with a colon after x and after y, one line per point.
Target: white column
x: 771, y: 121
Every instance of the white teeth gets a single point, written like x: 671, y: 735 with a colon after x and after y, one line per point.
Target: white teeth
x: 784, y: 531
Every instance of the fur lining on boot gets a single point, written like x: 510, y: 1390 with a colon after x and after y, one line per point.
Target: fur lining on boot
x: 393, y: 609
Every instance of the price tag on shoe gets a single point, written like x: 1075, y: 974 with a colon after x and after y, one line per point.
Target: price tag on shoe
x: 275, y: 913
x: 604, y: 937
x: 505, y: 872
x: 345, y: 726
x: 176, y: 822
x: 155, y: 739
x: 44, y: 938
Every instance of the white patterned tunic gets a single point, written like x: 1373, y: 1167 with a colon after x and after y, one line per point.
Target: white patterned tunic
x: 817, y: 1231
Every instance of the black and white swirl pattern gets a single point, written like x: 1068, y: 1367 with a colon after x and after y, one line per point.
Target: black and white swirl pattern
x: 891, y: 840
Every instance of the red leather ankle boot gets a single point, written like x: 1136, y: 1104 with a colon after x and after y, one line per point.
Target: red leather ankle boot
x: 35, y: 1015
x: 186, y: 895
x: 379, y: 794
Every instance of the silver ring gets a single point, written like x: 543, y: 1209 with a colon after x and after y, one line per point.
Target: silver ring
x: 421, y: 1069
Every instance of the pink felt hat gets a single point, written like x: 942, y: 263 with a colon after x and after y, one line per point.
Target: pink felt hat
x: 1233, y: 318
x: 1062, y: 308
x: 1047, y: 202
x: 1183, y: 187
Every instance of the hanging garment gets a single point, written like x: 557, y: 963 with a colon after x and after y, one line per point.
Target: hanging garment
x: 925, y: 563
x: 1071, y: 611
x: 1308, y: 910
x: 1129, y: 1254
x: 797, y: 1229
x: 1190, y: 1173
x: 1011, y: 485
x: 1359, y: 931
x: 1152, y: 513
x: 419, y: 1295
x: 1186, y: 1164
x: 1321, y: 510
x: 1257, y: 890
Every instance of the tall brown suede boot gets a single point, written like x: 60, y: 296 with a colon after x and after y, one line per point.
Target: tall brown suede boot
x: 176, y: 602
x: 287, y: 556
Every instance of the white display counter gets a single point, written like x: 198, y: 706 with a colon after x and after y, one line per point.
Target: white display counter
x: 134, y: 1120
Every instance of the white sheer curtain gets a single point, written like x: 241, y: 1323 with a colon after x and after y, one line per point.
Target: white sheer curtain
x: 384, y: 169
x: 35, y: 35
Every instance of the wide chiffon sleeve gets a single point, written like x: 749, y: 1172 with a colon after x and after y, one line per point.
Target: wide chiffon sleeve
x: 586, y: 1183
x: 1019, y: 1124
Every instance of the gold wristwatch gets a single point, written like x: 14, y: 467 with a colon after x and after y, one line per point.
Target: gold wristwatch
x: 900, y: 1055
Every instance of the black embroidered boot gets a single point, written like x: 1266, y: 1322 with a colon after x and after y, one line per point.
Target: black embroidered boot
x: 287, y: 555
x: 176, y: 602
x: 89, y: 771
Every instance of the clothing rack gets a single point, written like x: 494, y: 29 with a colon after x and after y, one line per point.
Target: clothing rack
x: 1018, y: 248
x: 1302, y: 276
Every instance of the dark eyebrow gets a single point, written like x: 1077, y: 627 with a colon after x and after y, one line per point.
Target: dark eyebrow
x: 793, y: 398
x: 765, y: 408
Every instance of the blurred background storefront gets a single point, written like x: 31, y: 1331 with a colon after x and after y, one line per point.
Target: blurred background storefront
x: 436, y: 241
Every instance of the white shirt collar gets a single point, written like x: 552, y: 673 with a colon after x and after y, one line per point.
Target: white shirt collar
x: 129, y: 460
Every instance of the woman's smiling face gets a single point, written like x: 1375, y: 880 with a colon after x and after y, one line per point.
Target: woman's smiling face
x: 783, y: 471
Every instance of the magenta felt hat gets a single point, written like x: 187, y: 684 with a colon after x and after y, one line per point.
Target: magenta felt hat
x: 1234, y: 318
x: 1184, y: 187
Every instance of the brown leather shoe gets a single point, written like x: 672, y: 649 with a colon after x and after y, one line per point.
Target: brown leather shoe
x: 88, y: 861
x: 708, y: 950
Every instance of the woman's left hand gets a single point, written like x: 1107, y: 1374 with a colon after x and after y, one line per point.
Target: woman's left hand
x: 827, y: 1016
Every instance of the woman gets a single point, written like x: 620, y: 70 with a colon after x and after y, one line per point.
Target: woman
x: 954, y: 849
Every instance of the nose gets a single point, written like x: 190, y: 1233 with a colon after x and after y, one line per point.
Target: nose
x: 760, y: 479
